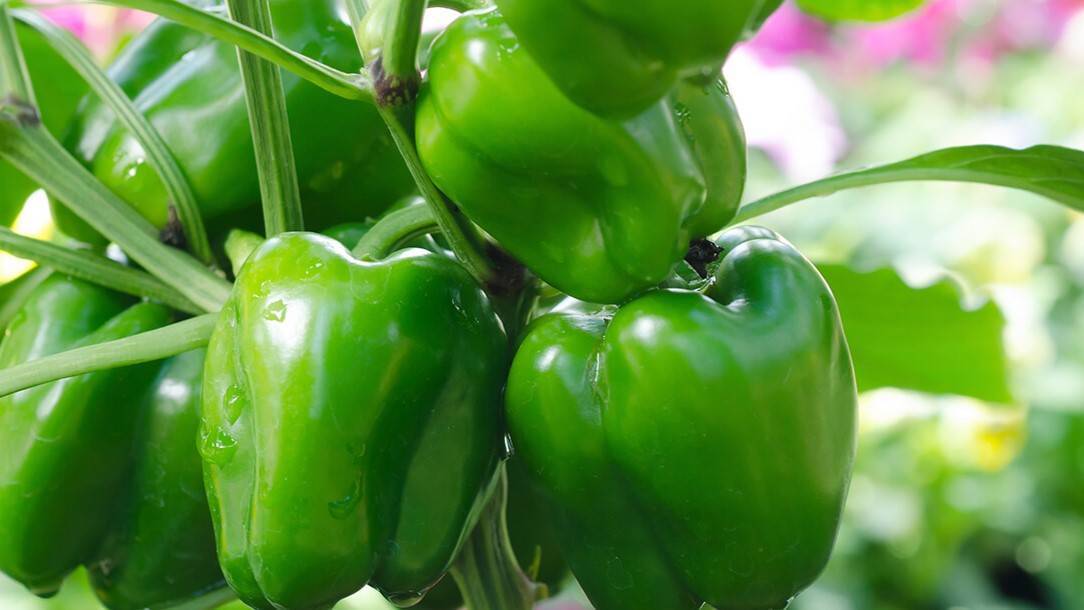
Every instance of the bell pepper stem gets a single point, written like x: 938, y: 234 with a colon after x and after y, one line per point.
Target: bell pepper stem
x: 93, y: 267
x: 239, y: 245
x: 158, y: 154
x: 449, y: 220
x: 27, y: 145
x: 397, y: 110
x: 400, y: 53
x: 349, y: 86
x: 266, y: 101
x: 486, y: 570
x: 145, y: 347
x: 394, y: 229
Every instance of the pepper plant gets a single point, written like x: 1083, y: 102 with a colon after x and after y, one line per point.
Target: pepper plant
x: 543, y: 340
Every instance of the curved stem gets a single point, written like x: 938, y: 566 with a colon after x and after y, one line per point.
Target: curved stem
x: 266, y: 102
x: 394, y: 229
x: 158, y: 154
x: 350, y: 86
x: 447, y: 218
x: 14, y: 79
x: 461, y: 6
x: 31, y: 149
x: 1048, y: 171
x: 208, y: 601
x: 239, y: 245
x: 92, y: 267
x: 144, y: 347
x: 486, y: 570
x: 14, y: 294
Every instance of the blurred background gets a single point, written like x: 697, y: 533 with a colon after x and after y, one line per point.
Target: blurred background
x: 954, y: 504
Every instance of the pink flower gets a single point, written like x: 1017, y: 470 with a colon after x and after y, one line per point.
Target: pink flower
x: 790, y: 32
x: 70, y: 17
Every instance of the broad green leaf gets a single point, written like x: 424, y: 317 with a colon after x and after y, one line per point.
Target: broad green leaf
x: 923, y: 339
x: 1054, y: 172
x: 859, y: 10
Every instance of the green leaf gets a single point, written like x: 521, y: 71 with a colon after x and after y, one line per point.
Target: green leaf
x: 859, y: 10
x: 924, y: 339
x: 1054, y: 172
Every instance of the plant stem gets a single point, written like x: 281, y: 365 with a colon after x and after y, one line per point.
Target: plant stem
x: 158, y: 154
x: 144, y: 347
x: 400, y: 50
x: 267, y: 114
x: 31, y: 149
x: 1053, y: 172
x: 486, y: 570
x: 448, y: 219
x: 394, y: 229
x: 350, y: 86
x: 397, y: 112
x: 208, y: 601
x: 95, y: 268
x: 14, y: 79
x: 14, y: 294
x: 239, y: 245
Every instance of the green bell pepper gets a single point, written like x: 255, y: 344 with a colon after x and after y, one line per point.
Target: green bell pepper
x: 351, y: 421
x: 190, y: 89
x: 599, y: 209
x: 694, y: 447
x: 57, y: 89
x: 617, y: 58
x: 160, y: 548
x: 65, y: 446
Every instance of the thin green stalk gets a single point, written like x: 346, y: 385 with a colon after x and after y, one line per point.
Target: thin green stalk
x: 31, y: 149
x: 93, y: 267
x: 14, y: 79
x: 266, y: 101
x: 158, y: 155
x: 14, y: 294
x: 350, y: 86
x: 239, y: 245
x: 144, y: 347
x: 209, y: 601
x: 486, y: 570
x: 400, y: 50
x: 394, y: 229
x: 461, y: 6
x: 835, y: 184
x: 448, y: 218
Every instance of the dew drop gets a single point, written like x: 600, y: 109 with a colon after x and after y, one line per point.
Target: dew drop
x: 405, y: 599
x: 217, y: 447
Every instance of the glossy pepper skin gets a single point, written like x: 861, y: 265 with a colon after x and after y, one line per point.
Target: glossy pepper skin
x: 190, y: 89
x: 617, y: 58
x: 65, y: 446
x: 57, y: 89
x: 160, y: 547
x: 351, y: 421
x: 694, y: 447
x: 599, y: 209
